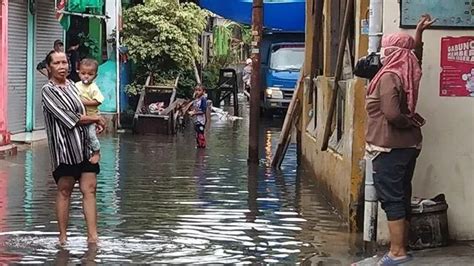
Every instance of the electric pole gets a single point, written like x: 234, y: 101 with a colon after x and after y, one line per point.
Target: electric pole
x: 255, y: 90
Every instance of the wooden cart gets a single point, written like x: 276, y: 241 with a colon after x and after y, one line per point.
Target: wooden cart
x: 146, y: 122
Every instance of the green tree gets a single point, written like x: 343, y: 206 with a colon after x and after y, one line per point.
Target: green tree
x: 161, y: 36
x: 227, y: 38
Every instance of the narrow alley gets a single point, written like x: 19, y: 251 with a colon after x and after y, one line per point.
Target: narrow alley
x: 162, y: 201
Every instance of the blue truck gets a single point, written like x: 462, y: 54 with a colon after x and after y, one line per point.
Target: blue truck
x: 282, y: 46
x: 282, y: 56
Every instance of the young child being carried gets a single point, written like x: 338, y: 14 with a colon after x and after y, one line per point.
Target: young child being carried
x: 91, y: 98
x: 198, y: 112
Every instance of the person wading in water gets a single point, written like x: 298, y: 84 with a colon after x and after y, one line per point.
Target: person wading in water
x: 68, y: 140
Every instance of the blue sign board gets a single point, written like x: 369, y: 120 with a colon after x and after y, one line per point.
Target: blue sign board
x: 449, y: 13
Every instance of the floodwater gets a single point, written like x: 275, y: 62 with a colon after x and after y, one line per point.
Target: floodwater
x: 162, y: 201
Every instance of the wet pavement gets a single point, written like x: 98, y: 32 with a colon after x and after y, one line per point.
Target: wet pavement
x: 162, y: 201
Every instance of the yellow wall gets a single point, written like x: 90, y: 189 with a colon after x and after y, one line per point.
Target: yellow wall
x: 338, y: 169
x: 332, y: 167
x: 446, y: 164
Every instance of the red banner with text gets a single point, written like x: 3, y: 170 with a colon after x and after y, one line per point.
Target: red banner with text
x: 457, y: 66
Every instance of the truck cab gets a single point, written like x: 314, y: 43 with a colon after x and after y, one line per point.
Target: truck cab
x: 282, y: 59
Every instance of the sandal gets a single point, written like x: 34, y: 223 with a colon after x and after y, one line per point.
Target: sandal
x: 387, y: 261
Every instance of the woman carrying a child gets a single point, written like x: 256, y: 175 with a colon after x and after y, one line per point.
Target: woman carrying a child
x: 68, y: 139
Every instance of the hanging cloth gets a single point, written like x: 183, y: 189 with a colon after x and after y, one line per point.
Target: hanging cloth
x: 63, y: 19
x: 95, y: 6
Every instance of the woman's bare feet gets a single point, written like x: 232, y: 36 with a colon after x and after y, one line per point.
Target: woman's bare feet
x: 92, y: 239
x: 95, y: 158
x: 62, y: 240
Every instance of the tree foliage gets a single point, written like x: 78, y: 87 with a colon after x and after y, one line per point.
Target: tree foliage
x: 162, y: 34
x: 227, y: 38
x: 223, y: 37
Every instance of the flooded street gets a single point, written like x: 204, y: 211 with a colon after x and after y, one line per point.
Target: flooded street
x: 162, y: 201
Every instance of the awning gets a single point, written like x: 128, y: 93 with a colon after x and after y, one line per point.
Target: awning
x: 67, y: 8
x: 286, y: 15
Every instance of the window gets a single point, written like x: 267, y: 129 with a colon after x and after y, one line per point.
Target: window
x: 315, y: 101
x: 340, y: 112
x: 287, y: 58
x: 338, y: 130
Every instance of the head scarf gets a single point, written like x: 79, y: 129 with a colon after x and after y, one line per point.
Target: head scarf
x: 401, y: 61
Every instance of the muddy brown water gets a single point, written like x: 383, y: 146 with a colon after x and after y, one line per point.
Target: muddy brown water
x: 162, y: 201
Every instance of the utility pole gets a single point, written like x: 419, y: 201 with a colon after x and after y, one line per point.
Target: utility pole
x: 255, y: 90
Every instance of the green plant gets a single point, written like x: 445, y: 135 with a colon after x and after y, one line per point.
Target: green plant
x: 246, y: 34
x: 210, y: 74
x: 222, y: 36
x: 133, y: 88
x: 227, y: 38
x: 185, y: 87
x: 89, y: 47
x: 162, y: 35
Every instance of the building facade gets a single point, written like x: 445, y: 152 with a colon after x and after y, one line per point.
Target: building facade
x: 338, y: 168
x: 28, y: 30
x: 446, y: 164
x: 31, y: 30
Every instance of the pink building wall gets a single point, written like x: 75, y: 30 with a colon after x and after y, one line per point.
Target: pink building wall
x: 4, y: 135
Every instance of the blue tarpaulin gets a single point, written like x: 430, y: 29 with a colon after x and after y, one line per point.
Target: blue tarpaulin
x: 285, y: 15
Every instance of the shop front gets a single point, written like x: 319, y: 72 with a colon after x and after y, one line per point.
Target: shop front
x: 17, y: 65
x: 47, y: 30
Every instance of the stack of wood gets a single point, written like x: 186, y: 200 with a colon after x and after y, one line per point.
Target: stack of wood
x: 291, y: 120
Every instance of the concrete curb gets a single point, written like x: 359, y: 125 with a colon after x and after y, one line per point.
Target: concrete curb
x: 29, y: 137
x: 460, y: 253
x: 8, y: 150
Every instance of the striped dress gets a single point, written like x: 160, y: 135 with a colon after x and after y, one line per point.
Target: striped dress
x: 62, y: 109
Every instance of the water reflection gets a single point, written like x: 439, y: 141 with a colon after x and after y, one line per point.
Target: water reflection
x: 65, y: 256
x: 162, y: 201
x: 28, y: 207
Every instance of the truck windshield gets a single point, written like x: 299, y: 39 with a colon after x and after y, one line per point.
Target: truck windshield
x: 290, y: 58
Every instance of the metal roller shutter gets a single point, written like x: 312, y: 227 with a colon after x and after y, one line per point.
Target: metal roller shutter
x: 47, y: 31
x: 17, y: 53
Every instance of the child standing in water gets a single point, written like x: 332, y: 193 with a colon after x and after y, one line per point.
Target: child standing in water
x: 198, y: 113
x: 91, y: 98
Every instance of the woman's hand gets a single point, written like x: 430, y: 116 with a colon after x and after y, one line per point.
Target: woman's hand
x: 418, y: 120
x: 101, y: 121
x: 100, y: 124
x: 425, y: 22
x: 88, y: 119
x: 99, y: 129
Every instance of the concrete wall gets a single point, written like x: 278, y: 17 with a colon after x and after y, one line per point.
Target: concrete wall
x: 111, y: 24
x: 337, y: 170
x: 332, y: 168
x: 446, y: 164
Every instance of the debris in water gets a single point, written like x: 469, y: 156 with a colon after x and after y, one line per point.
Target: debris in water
x: 223, y: 115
